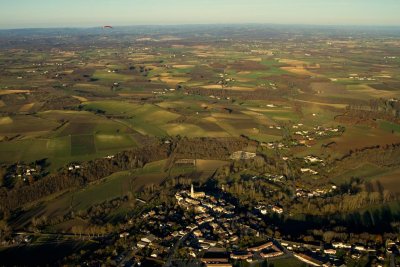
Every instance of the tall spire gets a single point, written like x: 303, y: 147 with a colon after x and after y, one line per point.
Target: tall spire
x: 192, y: 191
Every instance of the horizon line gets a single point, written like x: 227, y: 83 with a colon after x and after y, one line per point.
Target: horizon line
x: 205, y: 24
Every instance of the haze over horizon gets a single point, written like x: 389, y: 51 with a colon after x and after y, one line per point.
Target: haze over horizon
x: 74, y: 13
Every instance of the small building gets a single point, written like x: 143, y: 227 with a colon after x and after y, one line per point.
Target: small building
x: 261, y: 247
x: 330, y: 251
x: 277, y: 209
x: 241, y: 255
x: 149, y: 239
x: 142, y: 244
x: 216, y: 257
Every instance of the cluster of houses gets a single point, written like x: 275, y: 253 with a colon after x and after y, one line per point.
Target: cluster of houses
x: 274, y: 145
x: 315, y: 133
x: 217, y: 224
x: 220, y: 257
x: 308, y: 170
x: 303, y: 137
x: 74, y: 167
x: 322, y: 131
x: 275, y: 127
x: 319, y: 192
x: 24, y: 172
x: 354, y: 76
x: 225, y: 80
x: 265, y: 209
x: 146, y: 241
x: 18, y: 239
x: 326, y: 254
x: 312, y: 159
x: 273, y: 86
x: 213, y: 218
x: 276, y: 178
x: 164, y: 91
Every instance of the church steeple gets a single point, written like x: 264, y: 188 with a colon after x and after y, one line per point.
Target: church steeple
x: 192, y: 191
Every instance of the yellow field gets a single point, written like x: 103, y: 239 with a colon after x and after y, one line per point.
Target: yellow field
x: 299, y: 71
x: 234, y: 88
x: 191, y: 130
x: 88, y: 86
x: 26, y: 107
x: 109, y: 137
x: 342, y: 106
x: 5, y: 120
x: 9, y: 92
x: 171, y: 104
x: 298, y: 67
x: 174, y: 80
x: 255, y: 59
x: 182, y: 66
x: 241, y: 88
x: 365, y: 89
x: 293, y: 62
x: 212, y: 86
x: 228, y: 116
x: 80, y: 98
x: 209, y: 165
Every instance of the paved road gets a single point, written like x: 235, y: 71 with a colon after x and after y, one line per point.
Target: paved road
x: 129, y: 256
x: 392, y: 260
x: 174, y: 249
x: 77, y: 236
x: 53, y: 238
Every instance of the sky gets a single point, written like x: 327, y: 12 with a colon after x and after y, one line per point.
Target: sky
x: 92, y: 13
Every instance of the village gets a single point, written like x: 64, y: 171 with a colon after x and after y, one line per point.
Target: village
x: 212, y: 231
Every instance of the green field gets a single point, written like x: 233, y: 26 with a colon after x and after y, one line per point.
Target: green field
x: 84, y: 136
x: 390, y: 127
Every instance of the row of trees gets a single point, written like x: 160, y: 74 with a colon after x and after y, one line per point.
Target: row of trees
x: 384, y: 106
x: 385, y: 156
x: 210, y: 148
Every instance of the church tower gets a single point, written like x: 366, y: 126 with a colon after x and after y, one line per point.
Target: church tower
x: 191, y: 191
